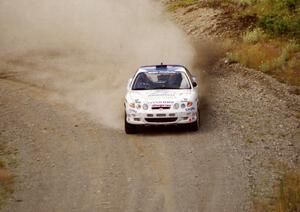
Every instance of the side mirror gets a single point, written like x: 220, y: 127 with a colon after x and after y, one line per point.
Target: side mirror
x: 128, y: 84
x: 194, y: 79
x: 195, y: 84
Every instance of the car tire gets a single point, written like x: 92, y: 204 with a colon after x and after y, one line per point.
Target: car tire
x: 196, y: 125
x: 130, y: 128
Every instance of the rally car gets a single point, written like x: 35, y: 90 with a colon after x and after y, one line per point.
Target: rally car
x: 161, y: 95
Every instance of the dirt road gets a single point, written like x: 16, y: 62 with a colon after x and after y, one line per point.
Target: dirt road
x: 61, y: 108
x: 69, y: 163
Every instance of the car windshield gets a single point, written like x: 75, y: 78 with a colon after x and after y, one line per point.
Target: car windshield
x: 161, y: 80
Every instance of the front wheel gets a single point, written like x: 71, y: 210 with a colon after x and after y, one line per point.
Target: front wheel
x: 130, y: 128
x: 196, y: 125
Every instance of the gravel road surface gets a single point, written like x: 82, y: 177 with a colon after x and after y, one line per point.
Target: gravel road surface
x: 69, y: 163
x: 62, y: 111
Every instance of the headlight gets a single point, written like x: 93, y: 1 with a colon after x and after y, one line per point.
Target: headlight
x: 182, y: 105
x: 190, y: 104
x: 132, y: 105
x: 145, y: 106
x: 176, y: 106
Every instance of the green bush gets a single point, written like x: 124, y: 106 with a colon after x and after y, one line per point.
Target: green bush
x: 244, y: 2
x: 232, y: 57
x: 278, y: 25
x: 254, y: 36
x: 276, y: 17
x: 273, y: 24
x: 180, y: 4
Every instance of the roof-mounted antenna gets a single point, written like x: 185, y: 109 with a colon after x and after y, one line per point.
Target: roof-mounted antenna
x: 161, y: 66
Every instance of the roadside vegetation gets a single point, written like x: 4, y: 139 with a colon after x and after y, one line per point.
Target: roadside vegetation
x: 6, y: 178
x: 271, y: 45
x: 288, y: 195
x: 181, y: 3
x: 270, y: 42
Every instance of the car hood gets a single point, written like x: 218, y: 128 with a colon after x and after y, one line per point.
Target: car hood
x: 157, y: 96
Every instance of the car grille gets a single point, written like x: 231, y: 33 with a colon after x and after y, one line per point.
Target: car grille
x: 164, y: 107
x: 162, y: 120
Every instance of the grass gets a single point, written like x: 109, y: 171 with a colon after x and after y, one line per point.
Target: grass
x: 277, y: 57
x: 271, y: 45
x: 173, y: 6
x: 254, y: 36
x: 6, y: 178
x: 288, y: 195
x: 276, y: 17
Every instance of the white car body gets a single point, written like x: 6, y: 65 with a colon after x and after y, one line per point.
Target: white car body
x: 162, y: 106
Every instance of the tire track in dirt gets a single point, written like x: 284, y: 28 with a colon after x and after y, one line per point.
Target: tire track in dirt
x: 154, y: 156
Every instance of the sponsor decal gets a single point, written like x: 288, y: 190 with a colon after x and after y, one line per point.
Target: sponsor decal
x: 132, y: 111
x: 190, y: 109
x: 161, y: 105
x: 162, y: 94
x: 184, y: 100
x: 161, y: 102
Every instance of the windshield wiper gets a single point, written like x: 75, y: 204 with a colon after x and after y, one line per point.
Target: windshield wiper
x: 139, y: 89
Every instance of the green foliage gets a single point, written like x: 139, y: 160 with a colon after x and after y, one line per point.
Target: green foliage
x: 254, y: 36
x: 283, y: 59
x: 279, y: 25
x: 244, y: 2
x: 273, y: 24
x: 266, y: 67
x: 277, y: 17
x: 272, y: 47
x: 232, y: 57
x: 275, y: 64
x: 292, y: 46
x: 181, y: 3
x: 275, y: 57
x: 291, y: 4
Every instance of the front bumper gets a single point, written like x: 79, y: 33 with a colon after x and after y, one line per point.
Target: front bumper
x: 161, y: 117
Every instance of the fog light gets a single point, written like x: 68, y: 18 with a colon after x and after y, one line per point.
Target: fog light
x: 176, y: 106
x: 145, y: 106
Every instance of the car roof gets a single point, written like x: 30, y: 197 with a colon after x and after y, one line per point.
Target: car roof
x: 162, y: 67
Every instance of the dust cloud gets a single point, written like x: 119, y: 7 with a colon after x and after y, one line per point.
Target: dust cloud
x: 85, y: 51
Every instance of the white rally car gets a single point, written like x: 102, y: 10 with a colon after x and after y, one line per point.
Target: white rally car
x: 161, y: 95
